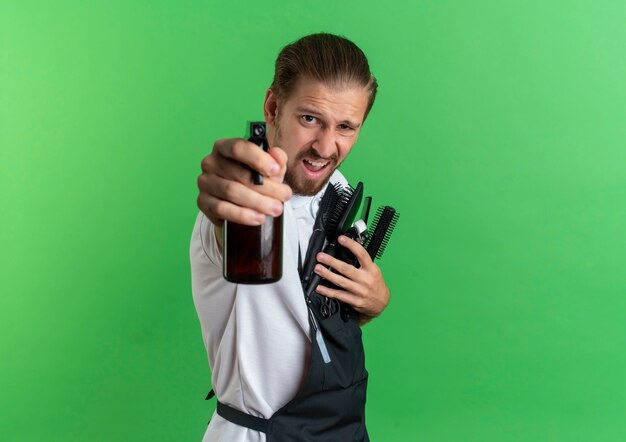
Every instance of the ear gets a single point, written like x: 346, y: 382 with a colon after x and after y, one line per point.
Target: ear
x: 269, y: 108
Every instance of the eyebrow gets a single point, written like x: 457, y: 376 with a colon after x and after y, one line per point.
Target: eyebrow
x: 313, y: 112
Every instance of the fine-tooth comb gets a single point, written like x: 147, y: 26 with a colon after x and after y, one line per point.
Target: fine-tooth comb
x: 384, y: 222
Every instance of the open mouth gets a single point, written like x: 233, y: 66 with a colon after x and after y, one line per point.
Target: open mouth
x: 315, y: 165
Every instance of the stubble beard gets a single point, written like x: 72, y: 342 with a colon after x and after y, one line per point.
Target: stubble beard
x: 299, y: 184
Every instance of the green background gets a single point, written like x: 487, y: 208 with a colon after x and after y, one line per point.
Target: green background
x: 498, y: 134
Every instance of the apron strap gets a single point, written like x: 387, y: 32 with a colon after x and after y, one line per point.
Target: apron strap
x: 240, y: 418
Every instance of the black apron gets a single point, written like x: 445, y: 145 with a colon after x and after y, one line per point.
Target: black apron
x: 330, y: 405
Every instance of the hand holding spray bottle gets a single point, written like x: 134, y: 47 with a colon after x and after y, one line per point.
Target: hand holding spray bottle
x: 253, y: 254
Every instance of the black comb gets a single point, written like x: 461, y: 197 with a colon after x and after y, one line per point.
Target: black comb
x: 384, y: 222
x: 334, y: 217
x: 340, y: 220
x: 327, y: 206
x: 330, y: 201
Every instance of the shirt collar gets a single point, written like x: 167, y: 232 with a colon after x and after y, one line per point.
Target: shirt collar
x: 299, y: 201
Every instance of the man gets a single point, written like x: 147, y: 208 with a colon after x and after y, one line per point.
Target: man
x: 275, y: 375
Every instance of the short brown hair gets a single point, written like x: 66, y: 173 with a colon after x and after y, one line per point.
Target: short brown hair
x: 328, y: 58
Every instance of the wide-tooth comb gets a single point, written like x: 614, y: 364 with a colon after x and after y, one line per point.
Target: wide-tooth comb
x: 384, y: 222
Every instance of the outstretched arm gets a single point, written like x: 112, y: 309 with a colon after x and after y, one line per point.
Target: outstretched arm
x: 225, y: 189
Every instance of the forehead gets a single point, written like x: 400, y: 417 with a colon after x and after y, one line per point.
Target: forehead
x: 339, y: 101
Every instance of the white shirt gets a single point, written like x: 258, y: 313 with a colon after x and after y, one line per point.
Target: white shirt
x: 257, y: 337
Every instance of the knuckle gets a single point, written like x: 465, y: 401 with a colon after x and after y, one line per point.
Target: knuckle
x: 370, y: 279
x: 219, y: 207
x: 244, y: 175
x: 208, y: 164
x: 220, y: 146
x: 201, y: 181
x: 229, y: 190
x: 341, y: 267
x: 268, y: 205
x: 238, y: 148
x: 205, y: 163
x: 335, y: 264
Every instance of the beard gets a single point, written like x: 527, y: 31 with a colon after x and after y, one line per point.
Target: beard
x: 300, y: 185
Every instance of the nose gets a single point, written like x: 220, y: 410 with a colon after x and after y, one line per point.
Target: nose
x: 325, y: 144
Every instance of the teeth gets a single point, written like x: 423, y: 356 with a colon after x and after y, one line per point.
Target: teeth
x: 317, y: 164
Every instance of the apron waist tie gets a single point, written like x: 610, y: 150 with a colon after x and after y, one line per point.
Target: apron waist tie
x: 240, y: 418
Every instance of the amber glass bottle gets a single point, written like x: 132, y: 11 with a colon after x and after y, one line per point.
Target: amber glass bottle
x: 254, y: 254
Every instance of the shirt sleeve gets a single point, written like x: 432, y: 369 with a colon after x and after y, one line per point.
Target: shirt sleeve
x: 203, y: 243
x: 213, y: 296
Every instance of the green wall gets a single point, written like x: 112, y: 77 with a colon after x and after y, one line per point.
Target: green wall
x: 498, y: 134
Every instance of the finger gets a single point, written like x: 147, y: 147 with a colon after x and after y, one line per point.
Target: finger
x: 335, y: 278
x: 218, y: 210
x: 247, y: 153
x: 340, y: 266
x: 364, y: 258
x: 238, y: 194
x: 231, y: 169
x: 341, y: 295
x: 280, y: 156
x: 234, y: 171
x: 273, y: 189
x: 356, y: 302
x: 276, y: 192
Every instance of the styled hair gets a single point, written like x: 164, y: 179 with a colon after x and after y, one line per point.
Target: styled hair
x: 327, y: 58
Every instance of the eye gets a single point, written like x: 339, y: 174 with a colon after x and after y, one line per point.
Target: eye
x: 309, y: 119
x: 345, y: 128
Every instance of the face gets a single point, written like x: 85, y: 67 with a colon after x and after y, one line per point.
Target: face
x: 317, y: 127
